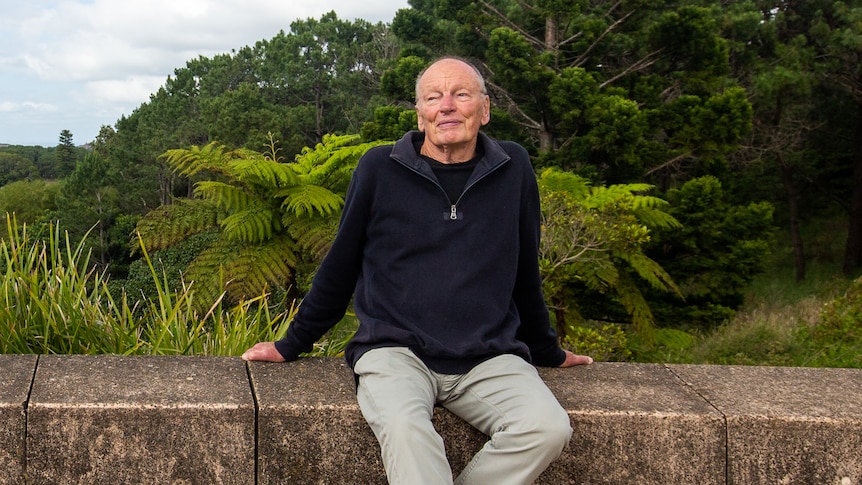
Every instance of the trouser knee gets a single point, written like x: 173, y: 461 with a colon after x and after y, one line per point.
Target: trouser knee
x: 553, y: 431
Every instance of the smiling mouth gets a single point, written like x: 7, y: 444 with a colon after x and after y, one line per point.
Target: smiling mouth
x: 448, y: 124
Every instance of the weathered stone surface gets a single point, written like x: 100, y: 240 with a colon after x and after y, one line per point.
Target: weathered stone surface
x: 635, y: 423
x: 191, y: 420
x: 111, y: 419
x: 16, y: 373
x: 786, y: 425
x: 310, y: 428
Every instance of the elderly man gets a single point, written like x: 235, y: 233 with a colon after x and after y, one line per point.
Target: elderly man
x: 438, y: 245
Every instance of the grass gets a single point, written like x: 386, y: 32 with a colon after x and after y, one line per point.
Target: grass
x: 52, y: 302
x: 776, y: 325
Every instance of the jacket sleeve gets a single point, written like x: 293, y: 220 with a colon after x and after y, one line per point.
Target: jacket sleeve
x: 535, y: 329
x: 333, y: 284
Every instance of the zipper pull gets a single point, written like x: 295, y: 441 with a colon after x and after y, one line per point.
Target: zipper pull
x: 453, y: 213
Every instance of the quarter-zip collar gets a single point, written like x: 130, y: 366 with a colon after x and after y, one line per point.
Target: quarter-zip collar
x: 404, y: 152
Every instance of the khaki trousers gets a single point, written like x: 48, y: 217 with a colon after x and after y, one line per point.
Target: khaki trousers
x: 503, y: 397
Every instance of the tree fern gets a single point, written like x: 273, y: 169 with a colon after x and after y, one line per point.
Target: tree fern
x: 305, y: 200
x: 270, y: 215
x: 169, y: 224
x: 593, y: 237
x: 313, y: 236
x: 246, y: 268
x: 212, y: 157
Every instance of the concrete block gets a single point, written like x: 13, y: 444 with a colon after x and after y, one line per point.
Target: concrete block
x: 786, y: 425
x: 310, y: 428
x: 112, y: 419
x: 16, y: 373
x: 635, y: 423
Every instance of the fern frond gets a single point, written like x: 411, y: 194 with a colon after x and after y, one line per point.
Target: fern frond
x: 331, y: 161
x: 600, y: 275
x: 651, y: 272
x: 248, y: 269
x: 313, y: 235
x: 621, y: 194
x: 654, y: 218
x: 228, y: 197
x: 213, y: 157
x: 555, y: 180
x: 252, y: 225
x: 305, y: 200
x: 264, y: 172
x: 631, y: 298
x: 170, y: 224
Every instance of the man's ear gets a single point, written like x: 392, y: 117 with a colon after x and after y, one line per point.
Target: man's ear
x: 486, y: 111
x: 420, y: 123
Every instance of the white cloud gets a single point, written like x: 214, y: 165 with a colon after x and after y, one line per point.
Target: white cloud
x: 134, y: 89
x: 13, y: 107
x: 107, y: 56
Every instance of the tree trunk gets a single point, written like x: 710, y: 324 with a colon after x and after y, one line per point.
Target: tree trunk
x: 560, y: 315
x: 793, y: 207
x: 853, y: 249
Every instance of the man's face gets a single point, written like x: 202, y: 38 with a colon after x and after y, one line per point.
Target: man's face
x: 451, y: 106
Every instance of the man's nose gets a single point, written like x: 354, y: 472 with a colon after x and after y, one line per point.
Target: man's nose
x: 447, y: 103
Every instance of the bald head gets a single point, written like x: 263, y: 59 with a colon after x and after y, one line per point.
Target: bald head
x: 449, y: 61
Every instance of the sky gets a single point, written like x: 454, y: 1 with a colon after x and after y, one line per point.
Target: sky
x: 80, y: 64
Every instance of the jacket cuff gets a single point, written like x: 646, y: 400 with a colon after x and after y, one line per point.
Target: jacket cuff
x: 550, y: 359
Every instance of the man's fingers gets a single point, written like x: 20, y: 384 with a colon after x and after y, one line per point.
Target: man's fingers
x: 573, y: 359
x: 263, y: 351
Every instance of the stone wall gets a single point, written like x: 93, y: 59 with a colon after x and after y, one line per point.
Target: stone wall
x: 215, y: 420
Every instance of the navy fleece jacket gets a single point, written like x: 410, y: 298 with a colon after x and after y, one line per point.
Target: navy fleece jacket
x: 457, y: 282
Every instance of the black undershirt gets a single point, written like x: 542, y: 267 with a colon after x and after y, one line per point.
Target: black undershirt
x: 453, y: 176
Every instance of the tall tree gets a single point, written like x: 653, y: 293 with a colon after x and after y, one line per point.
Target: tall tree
x: 776, y: 62
x: 617, y: 90
x: 837, y: 27
x: 88, y: 200
x: 65, y: 154
x: 714, y: 256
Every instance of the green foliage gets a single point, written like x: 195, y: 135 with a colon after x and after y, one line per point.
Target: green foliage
x: 389, y: 123
x: 88, y: 199
x: 667, y: 345
x: 400, y: 82
x: 271, y: 216
x: 29, y: 201
x: 691, y: 45
x: 14, y: 167
x: 169, y: 262
x: 51, y: 303
x: 592, y: 243
x: 838, y: 334
x: 607, y: 343
x: 593, y: 87
x: 42, y: 158
x: 714, y: 256
x: 67, y: 155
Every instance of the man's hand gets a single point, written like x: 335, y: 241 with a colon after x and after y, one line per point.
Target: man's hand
x: 575, y: 359
x: 264, y: 351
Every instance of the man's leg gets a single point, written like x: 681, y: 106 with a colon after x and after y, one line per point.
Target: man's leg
x: 507, y: 400
x: 397, y: 394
